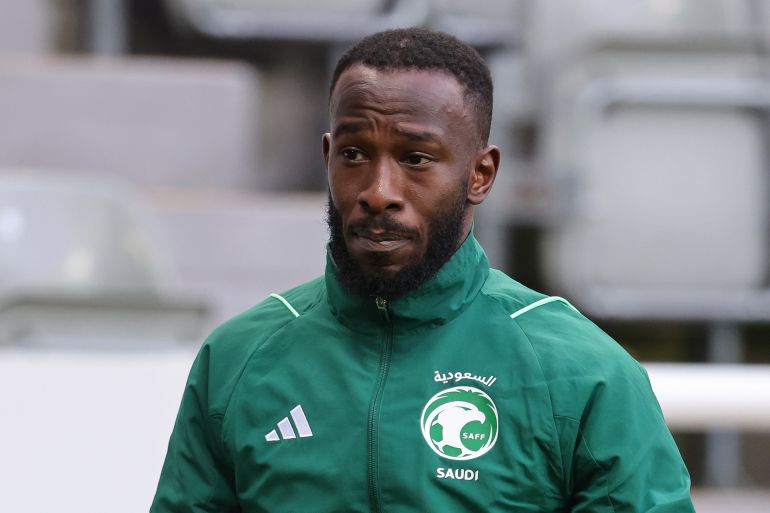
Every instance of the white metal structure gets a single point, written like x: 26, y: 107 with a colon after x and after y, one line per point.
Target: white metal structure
x: 27, y: 26
x: 697, y: 398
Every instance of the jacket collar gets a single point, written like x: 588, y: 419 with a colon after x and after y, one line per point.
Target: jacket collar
x: 435, y: 302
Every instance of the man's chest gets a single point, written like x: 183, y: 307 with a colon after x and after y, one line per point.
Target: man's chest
x: 394, y: 423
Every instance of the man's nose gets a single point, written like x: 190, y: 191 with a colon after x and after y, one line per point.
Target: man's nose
x: 383, y: 191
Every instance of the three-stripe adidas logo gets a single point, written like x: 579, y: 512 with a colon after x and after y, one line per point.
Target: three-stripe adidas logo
x: 286, y: 429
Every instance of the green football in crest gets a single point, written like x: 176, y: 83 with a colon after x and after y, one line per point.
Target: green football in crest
x: 460, y: 423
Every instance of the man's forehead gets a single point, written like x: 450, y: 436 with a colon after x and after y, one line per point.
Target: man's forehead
x: 398, y: 91
x: 414, y: 132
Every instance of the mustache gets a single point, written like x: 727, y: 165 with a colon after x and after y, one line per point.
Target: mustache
x: 386, y: 224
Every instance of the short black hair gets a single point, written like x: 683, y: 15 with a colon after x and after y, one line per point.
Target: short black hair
x: 423, y: 49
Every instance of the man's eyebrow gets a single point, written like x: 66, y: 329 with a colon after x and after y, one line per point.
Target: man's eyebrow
x: 417, y: 135
x: 348, y: 128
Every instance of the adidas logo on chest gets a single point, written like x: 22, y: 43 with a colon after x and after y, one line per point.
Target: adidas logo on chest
x: 286, y: 427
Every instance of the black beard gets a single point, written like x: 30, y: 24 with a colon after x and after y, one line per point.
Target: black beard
x: 443, y: 239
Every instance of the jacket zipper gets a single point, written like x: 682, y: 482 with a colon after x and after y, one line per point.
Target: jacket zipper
x: 387, y: 347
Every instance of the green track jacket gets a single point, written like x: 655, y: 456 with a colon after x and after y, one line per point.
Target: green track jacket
x: 472, y: 394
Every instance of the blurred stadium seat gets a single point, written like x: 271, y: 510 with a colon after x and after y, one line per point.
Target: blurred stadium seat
x: 78, y: 266
x: 301, y: 20
x: 148, y: 121
x: 500, y: 22
x: 73, y: 233
x: 647, y: 155
x: 236, y: 248
x: 561, y: 31
x: 653, y: 141
x: 86, y: 262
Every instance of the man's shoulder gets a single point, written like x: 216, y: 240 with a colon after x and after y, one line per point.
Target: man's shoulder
x: 564, y: 340
x: 249, y: 329
x: 229, y: 348
x: 273, y: 312
x: 509, y: 293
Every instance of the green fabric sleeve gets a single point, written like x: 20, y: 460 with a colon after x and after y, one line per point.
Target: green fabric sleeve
x: 196, y: 475
x: 622, y: 457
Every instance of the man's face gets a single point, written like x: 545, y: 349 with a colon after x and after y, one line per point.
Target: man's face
x: 402, y: 149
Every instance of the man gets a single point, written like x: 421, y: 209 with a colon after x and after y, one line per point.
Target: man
x: 411, y: 377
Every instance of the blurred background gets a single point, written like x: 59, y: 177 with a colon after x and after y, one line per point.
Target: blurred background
x: 160, y: 171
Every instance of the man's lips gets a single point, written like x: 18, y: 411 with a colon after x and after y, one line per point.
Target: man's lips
x: 376, y: 240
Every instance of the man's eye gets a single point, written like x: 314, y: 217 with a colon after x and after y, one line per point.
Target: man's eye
x: 352, y: 154
x: 416, y: 159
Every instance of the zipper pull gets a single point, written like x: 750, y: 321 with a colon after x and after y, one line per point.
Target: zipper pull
x: 382, y: 306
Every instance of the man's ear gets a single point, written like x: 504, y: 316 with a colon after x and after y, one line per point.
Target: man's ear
x: 483, y: 174
x: 326, y: 143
